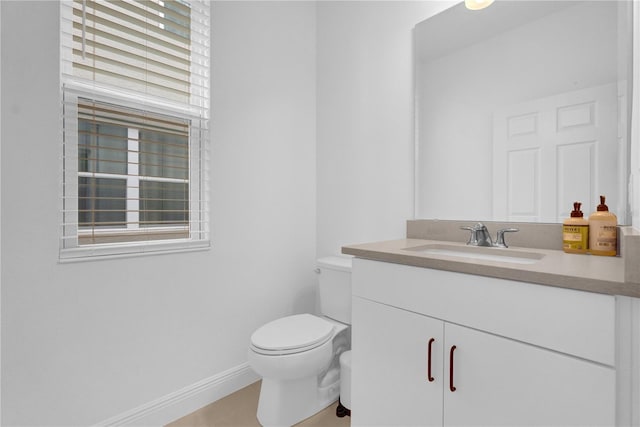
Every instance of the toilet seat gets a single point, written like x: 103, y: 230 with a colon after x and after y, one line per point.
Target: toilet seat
x: 291, y: 334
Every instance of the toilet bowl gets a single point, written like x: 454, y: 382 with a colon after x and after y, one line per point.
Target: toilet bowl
x: 298, y: 356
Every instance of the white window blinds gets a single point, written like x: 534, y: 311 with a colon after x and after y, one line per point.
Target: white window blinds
x: 135, y: 86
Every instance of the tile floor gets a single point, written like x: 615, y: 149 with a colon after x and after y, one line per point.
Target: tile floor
x: 239, y: 410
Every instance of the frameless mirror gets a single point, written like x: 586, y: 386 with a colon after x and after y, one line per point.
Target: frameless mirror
x: 521, y: 110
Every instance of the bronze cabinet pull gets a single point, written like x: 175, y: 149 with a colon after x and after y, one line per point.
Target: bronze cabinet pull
x: 429, y: 377
x: 451, y: 386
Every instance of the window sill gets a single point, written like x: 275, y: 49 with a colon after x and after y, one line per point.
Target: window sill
x: 129, y: 250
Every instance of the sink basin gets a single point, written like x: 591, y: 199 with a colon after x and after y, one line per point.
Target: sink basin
x: 478, y: 253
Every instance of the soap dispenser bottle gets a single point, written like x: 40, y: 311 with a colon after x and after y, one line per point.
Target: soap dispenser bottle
x: 603, y: 231
x: 575, y: 232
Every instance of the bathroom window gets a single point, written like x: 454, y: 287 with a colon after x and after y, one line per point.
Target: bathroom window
x: 135, y: 97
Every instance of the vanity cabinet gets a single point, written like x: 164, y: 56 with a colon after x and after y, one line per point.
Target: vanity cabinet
x: 433, y: 348
x: 390, y: 366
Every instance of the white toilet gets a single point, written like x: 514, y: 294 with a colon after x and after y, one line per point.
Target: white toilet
x: 298, y: 356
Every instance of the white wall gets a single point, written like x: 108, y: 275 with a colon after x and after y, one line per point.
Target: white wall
x: 634, y: 197
x: 365, y: 119
x: 84, y: 342
x: 0, y: 219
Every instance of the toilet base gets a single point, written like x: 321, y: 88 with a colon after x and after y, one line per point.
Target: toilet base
x: 285, y: 403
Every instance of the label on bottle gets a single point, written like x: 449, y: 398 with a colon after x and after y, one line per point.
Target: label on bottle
x: 606, y: 238
x: 575, y: 238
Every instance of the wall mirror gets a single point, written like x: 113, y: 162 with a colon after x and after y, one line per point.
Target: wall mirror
x: 522, y: 109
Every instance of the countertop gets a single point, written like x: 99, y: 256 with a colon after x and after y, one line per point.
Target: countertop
x: 605, y: 275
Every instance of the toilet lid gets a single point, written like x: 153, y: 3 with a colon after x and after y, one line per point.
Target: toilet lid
x: 292, y: 334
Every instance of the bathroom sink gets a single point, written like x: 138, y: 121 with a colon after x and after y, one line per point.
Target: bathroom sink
x: 478, y: 253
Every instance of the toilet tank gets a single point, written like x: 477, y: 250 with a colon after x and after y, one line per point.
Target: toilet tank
x: 334, y: 282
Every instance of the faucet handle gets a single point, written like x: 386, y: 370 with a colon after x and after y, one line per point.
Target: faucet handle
x: 472, y: 236
x: 500, y: 243
x: 476, y: 227
x: 479, y: 235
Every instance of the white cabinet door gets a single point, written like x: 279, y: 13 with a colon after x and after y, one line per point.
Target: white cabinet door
x: 499, y: 381
x: 390, y: 367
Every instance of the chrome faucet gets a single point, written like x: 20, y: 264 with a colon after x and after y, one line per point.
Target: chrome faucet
x: 480, y: 236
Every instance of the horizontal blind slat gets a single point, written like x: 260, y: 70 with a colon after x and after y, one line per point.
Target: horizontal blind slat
x: 93, y: 35
x: 95, y: 26
x: 89, y: 109
x: 153, y: 11
x: 139, y: 85
x: 140, y: 59
x: 128, y: 72
x: 110, y: 13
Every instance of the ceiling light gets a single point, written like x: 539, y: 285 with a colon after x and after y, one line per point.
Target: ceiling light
x: 477, y: 4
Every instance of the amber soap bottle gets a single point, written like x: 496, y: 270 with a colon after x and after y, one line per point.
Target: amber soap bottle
x: 575, y: 232
x: 603, y: 231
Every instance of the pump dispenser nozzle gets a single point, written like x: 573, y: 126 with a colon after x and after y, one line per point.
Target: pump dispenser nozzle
x: 602, y: 207
x: 576, y: 212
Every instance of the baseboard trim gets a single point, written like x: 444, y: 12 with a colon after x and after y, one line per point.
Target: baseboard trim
x: 186, y: 400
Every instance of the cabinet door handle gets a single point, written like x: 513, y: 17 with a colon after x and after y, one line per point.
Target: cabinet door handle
x: 429, y: 377
x: 451, y: 386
